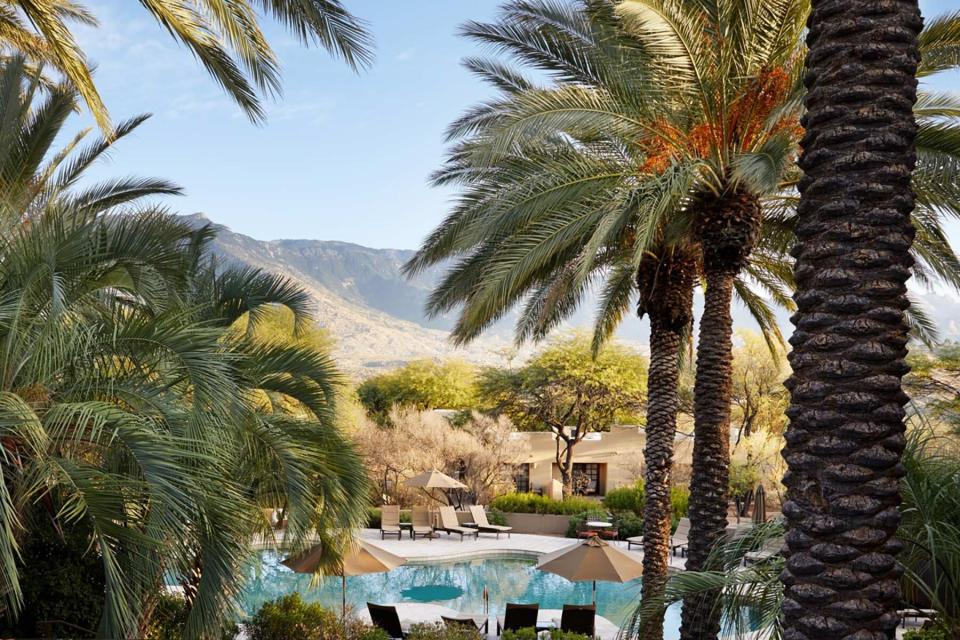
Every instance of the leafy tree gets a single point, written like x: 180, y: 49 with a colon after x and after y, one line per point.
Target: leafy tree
x: 846, y: 434
x: 759, y: 397
x: 421, y: 384
x: 565, y: 390
x: 226, y: 37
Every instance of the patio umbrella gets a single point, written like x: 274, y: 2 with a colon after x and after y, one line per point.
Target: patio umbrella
x: 593, y: 559
x: 760, y: 506
x: 362, y: 558
x: 434, y: 480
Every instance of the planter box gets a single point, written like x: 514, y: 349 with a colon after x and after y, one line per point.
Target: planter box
x: 537, y: 523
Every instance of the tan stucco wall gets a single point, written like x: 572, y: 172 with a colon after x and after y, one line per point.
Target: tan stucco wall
x: 618, y: 451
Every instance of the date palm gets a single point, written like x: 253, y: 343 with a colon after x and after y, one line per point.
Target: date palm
x: 854, y: 233
x: 606, y: 171
x: 577, y: 201
x: 226, y: 36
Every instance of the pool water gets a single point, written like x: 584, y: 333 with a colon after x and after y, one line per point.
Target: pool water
x: 457, y: 585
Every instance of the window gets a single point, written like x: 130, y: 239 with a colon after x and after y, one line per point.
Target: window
x: 586, y: 478
x: 521, y: 477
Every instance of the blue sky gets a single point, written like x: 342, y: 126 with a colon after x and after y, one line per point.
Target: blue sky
x: 342, y: 156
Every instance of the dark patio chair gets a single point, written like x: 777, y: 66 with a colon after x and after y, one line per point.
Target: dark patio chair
x: 579, y: 618
x: 518, y: 616
x: 385, y: 617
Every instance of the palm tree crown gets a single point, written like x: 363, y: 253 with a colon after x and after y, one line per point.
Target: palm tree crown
x: 226, y: 37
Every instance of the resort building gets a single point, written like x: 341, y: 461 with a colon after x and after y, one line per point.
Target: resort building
x: 601, y: 461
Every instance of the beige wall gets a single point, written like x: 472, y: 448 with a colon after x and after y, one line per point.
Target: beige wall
x: 619, y: 452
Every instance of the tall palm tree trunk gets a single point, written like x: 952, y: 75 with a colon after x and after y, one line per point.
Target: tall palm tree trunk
x: 667, y: 296
x: 711, y: 447
x: 846, y: 431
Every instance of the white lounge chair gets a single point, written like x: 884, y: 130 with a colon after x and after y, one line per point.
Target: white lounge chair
x: 680, y: 537
x: 449, y: 524
x: 483, y: 525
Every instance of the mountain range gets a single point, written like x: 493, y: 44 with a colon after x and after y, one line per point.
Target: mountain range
x: 376, y: 315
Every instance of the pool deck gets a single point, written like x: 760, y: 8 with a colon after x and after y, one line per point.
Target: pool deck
x: 445, y: 548
x: 449, y: 547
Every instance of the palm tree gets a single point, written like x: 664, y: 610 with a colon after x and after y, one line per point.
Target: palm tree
x: 584, y: 199
x: 130, y: 402
x: 226, y: 37
x: 567, y: 184
x: 854, y: 233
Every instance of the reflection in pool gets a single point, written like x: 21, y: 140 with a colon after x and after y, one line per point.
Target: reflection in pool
x: 457, y: 585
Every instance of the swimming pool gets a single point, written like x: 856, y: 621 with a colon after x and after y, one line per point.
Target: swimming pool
x: 457, y: 585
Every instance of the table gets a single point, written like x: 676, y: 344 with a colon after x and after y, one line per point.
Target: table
x: 598, y: 524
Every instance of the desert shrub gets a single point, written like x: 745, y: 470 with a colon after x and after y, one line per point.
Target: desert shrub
x: 928, y: 632
x: 496, y: 517
x: 578, y: 521
x: 625, y: 499
x: 534, y: 503
x: 531, y: 634
x: 439, y: 631
x: 169, y: 618
x: 628, y: 524
x: 289, y: 617
x: 679, y: 503
x: 373, y: 519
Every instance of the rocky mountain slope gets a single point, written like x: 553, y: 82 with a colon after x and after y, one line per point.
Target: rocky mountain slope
x: 376, y: 315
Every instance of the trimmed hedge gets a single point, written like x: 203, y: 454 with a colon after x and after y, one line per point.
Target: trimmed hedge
x: 626, y: 499
x: 533, y: 503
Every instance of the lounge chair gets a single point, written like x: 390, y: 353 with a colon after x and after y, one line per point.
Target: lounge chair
x: 770, y: 548
x: 518, y: 616
x: 484, y: 526
x: 390, y: 521
x: 680, y: 537
x: 635, y: 541
x: 420, y: 519
x: 449, y: 524
x: 385, y: 617
x: 579, y: 618
x: 468, y: 623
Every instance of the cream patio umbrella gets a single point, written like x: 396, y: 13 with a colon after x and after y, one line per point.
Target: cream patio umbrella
x: 593, y: 559
x: 362, y: 558
x: 434, y: 479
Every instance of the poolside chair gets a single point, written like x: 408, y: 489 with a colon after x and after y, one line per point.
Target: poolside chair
x: 466, y: 623
x: 449, y: 524
x: 635, y: 541
x: 518, y: 616
x: 390, y: 521
x: 385, y: 617
x: 420, y: 519
x: 579, y: 618
x: 770, y: 548
x: 680, y: 537
x: 483, y: 526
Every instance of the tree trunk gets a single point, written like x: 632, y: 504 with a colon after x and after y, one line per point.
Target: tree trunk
x: 846, y: 432
x: 662, y: 406
x: 665, y: 284
x: 711, y: 447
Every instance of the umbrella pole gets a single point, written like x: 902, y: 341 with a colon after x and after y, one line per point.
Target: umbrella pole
x: 343, y: 592
x: 594, y: 593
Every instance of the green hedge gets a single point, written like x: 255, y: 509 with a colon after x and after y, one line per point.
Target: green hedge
x: 626, y: 499
x: 533, y: 503
x: 680, y: 503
